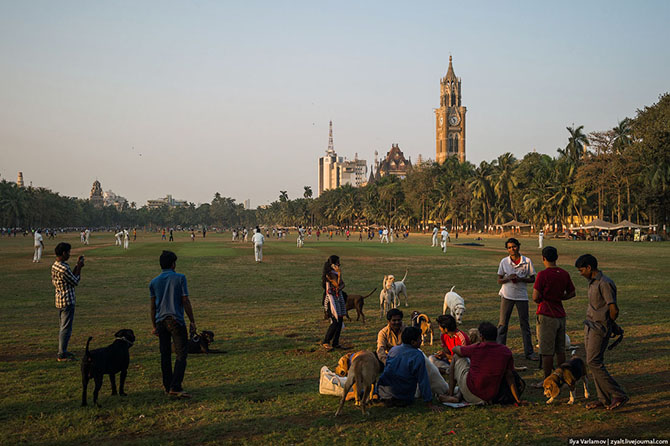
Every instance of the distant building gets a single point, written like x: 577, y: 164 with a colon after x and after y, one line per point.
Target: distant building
x: 111, y: 199
x: 19, y: 179
x: 96, y: 197
x: 334, y: 171
x: 247, y: 204
x: 394, y: 164
x: 167, y: 201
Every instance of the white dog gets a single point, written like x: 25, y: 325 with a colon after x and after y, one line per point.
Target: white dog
x: 389, y: 297
x: 455, y: 304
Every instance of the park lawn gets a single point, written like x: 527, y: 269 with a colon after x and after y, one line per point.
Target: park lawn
x: 269, y: 319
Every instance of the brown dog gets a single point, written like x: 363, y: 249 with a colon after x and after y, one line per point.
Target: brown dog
x: 363, y: 374
x: 356, y: 301
x: 568, y: 373
x: 422, y: 322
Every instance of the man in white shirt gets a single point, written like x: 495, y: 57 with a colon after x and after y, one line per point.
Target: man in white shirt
x: 445, y: 237
x: 87, y: 236
x: 514, y: 272
x: 385, y: 236
x: 258, y: 241
x: 118, y: 236
x: 126, y: 238
x: 435, y: 231
x: 39, y: 246
x: 301, y: 237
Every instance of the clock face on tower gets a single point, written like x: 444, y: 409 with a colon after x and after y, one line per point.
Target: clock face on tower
x: 453, y: 120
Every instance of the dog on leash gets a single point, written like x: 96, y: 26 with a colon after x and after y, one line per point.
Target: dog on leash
x: 568, y: 373
x: 356, y: 301
x: 109, y: 360
x: 455, y: 304
x: 199, y: 343
x: 362, y: 374
x: 422, y: 322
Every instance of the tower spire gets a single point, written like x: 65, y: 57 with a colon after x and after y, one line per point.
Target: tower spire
x: 331, y: 146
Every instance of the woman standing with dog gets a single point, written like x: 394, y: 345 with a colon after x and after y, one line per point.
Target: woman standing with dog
x: 333, y: 302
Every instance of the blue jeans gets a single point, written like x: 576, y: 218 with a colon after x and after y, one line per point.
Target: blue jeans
x: 66, y: 320
x: 169, y: 330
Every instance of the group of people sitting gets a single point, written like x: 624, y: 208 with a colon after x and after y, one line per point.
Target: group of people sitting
x: 483, y: 372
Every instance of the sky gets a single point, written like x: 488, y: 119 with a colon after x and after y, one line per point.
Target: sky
x: 197, y: 97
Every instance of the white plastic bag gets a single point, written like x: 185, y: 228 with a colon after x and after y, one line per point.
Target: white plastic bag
x: 330, y: 383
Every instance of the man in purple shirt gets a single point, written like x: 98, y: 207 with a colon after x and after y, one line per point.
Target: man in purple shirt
x: 169, y: 300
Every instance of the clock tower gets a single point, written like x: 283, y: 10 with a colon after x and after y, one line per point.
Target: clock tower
x: 450, y: 119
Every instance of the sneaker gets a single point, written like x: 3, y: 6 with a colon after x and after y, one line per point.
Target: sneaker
x: 179, y: 394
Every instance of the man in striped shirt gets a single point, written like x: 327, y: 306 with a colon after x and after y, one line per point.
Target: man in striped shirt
x: 64, y: 280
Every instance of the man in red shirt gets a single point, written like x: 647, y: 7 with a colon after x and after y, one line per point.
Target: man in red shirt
x: 552, y: 287
x: 451, y: 337
x: 480, y: 377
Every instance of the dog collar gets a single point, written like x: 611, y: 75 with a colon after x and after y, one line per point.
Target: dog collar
x: 559, y: 376
x: 123, y: 338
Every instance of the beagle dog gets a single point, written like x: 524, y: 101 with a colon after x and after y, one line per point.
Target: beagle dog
x: 568, y: 373
x: 422, y: 322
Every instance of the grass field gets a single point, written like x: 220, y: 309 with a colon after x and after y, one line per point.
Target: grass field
x: 268, y: 317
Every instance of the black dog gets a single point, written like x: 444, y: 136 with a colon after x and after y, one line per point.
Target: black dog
x: 107, y: 361
x: 199, y: 343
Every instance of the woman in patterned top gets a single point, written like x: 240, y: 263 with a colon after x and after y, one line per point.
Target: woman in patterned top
x: 333, y: 301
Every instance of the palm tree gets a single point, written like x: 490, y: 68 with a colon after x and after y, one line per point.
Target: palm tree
x: 504, y: 180
x: 308, y: 192
x: 577, y: 143
x: 480, y: 184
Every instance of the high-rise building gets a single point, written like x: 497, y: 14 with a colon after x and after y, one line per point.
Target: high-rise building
x: 450, y: 119
x: 19, y: 179
x: 247, y: 204
x: 336, y: 171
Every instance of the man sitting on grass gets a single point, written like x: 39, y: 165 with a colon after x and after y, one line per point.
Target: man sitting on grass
x: 451, y: 337
x: 405, y: 368
x: 479, y: 369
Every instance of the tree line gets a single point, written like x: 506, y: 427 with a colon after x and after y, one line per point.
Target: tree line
x: 615, y: 174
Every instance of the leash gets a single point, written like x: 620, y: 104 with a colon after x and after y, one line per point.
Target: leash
x: 123, y: 338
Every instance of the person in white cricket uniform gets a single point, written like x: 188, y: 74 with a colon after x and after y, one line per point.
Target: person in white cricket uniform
x: 246, y: 234
x: 39, y: 246
x: 126, y: 238
x: 87, y: 236
x: 83, y: 236
x: 257, y: 239
x: 445, y: 237
x: 435, y: 231
x: 118, y: 236
x: 540, y: 239
x: 385, y: 236
x: 301, y: 237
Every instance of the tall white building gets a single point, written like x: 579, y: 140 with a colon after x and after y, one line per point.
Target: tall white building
x: 336, y: 171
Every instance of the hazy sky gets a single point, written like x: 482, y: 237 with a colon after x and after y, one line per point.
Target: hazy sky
x: 196, y: 97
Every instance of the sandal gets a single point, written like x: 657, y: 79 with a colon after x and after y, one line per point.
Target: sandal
x: 595, y: 405
x: 327, y: 346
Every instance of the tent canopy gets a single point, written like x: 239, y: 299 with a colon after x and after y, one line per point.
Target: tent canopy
x: 598, y: 224
x: 624, y: 224
x: 514, y: 223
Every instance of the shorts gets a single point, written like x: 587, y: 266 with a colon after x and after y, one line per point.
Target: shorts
x: 550, y: 334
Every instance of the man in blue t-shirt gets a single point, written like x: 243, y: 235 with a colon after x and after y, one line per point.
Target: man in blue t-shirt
x: 169, y: 300
x: 405, y: 370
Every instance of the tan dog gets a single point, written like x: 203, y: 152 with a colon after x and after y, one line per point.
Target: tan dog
x: 568, y: 373
x: 473, y: 334
x: 422, y: 322
x: 362, y: 373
